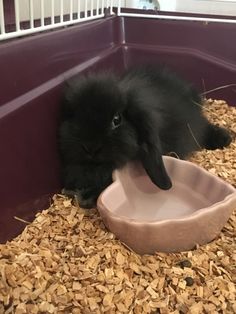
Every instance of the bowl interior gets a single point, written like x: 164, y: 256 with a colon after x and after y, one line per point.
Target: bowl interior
x: 134, y: 196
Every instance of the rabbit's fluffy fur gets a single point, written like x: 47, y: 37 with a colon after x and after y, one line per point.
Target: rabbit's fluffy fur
x: 144, y: 114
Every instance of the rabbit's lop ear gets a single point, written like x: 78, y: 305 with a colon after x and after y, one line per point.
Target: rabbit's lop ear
x: 153, y: 163
x: 145, y: 122
x: 72, y: 90
x: 68, y: 100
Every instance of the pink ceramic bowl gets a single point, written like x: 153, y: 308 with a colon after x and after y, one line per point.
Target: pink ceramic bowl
x: 148, y: 219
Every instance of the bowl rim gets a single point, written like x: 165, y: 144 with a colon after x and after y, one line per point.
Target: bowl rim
x: 201, y: 212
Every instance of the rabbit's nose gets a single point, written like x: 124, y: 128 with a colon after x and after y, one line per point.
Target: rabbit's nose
x: 91, y: 149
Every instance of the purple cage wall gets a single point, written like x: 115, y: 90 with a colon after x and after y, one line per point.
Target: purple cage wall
x: 34, y: 68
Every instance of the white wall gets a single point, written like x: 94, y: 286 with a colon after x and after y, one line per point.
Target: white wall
x: 223, y: 7
x: 142, y: 4
x: 164, y: 4
x: 168, y: 5
x: 227, y: 7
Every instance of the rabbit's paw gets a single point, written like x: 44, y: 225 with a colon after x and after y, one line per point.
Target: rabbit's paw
x: 84, y: 197
x: 217, y: 137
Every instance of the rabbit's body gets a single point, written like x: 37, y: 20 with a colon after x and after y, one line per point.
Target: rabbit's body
x: 143, y: 115
x: 182, y: 128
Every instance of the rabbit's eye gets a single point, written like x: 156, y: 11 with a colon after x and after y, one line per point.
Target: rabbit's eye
x: 116, y: 121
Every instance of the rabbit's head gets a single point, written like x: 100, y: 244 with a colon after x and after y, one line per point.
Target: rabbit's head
x: 102, y: 124
x: 94, y: 117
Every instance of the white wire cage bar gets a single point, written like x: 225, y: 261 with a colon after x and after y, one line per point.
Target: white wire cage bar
x: 33, y: 16
x: 41, y: 11
x: 2, y: 18
x: 31, y: 8
x: 17, y: 15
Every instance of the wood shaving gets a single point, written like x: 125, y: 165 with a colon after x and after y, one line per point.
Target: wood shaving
x: 66, y: 261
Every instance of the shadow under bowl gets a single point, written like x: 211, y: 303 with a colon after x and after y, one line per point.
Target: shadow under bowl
x: 148, y: 219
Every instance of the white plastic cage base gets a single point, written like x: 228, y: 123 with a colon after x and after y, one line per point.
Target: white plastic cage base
x: 33, y: 16
x: 178, y: 18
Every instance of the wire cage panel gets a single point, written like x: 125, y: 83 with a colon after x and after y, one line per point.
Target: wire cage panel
x: 24, y: 17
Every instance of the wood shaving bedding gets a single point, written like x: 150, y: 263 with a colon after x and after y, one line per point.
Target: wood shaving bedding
x: 66, y: 261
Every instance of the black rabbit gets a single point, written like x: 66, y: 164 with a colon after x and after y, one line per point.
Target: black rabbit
x: 108, y: 121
